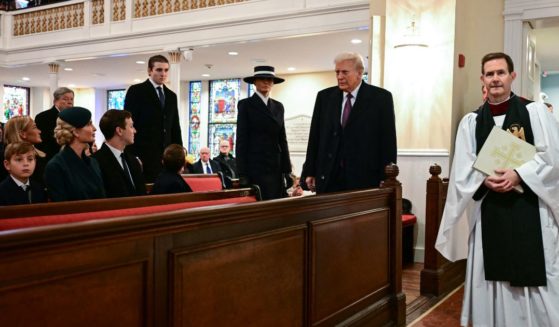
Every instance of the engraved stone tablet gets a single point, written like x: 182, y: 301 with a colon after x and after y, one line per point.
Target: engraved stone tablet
x: 297, y: 129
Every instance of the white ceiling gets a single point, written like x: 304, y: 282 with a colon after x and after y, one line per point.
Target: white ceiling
x: 305, y: 53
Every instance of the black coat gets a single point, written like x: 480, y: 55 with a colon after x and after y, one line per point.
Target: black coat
x: 228, y: 165
x: 261, y: 149
x: 156, y: 127
x: 115, y: 181
x: 11, y: 194
x: 361, y: 150
x: 46, y: 122
x: 170, y: 182
x: 198, y: 168
x: 69, y: 177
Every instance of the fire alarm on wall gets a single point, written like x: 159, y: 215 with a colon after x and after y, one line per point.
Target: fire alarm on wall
x: 461, y: 60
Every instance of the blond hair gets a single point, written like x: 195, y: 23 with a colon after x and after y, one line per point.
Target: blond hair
x: 354, y: 57
x: 63, y: 132
x: 13, y: 129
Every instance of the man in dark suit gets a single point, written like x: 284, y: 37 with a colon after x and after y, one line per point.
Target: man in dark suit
x: 155, y: 112
x: 353, y: 133
x: 205, y: 165
x: 227, y: 162
x: 46, y: 121
x: 261, y: 149
x: 121, y: 171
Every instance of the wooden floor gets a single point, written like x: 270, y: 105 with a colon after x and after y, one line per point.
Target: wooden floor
x: 446, y: 314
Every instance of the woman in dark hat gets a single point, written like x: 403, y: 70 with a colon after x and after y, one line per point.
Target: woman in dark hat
x: 261, y: 149
x: 71, y: 174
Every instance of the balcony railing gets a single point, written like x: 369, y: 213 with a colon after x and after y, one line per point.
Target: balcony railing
x: 75, y: 14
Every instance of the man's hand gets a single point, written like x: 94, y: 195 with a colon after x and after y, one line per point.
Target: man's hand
x: 310, y: 180
x: 503, y: 182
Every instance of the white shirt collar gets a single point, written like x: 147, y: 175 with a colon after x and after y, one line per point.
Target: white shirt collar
x: 264, y: 98
x: 116, y: 152
x: 155, y: 85
x: 354, y: 92
x: 19, y: 184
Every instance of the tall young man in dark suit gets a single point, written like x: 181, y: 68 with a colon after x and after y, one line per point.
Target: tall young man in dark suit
x: 121, y: 171
x: 155, y: 112
x: 261, y: 149
x: 46, y: 121
x: 353, y: 132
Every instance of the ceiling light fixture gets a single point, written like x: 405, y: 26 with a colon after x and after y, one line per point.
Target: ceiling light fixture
x: 205, y: 75
x: 25, y: 79
x: 412, y: 38
x: 356, y: 41
x: 68, y: 69
x: 140, y: 62
x: 233, y: 53
x: 71, y: 85
x: 137, y: 80
x: 291, y: 69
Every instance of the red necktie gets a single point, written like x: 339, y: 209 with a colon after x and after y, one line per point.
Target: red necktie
x: 347, y: 109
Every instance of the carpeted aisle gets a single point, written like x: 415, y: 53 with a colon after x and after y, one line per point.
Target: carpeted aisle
x: 445, y: 313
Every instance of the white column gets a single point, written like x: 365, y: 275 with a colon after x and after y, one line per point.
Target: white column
x: 174, y: 81
x: 53, y: 77
x: 514, y: 47
x: 377, y: 30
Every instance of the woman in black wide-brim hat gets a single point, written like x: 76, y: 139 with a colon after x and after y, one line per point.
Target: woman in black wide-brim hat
x: 261, y: 146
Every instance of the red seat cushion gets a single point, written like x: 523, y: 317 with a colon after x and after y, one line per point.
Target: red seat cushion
x: 408, y: 220
x: 15, y: 223
x: 202, y: 183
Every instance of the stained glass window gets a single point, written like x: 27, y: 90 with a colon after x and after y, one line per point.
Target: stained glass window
x: 224, y: 96
x: 195, y: 92
x: 15, y: 102
x: 251, y: 90
x: 221, y: 132
x: 115, y: 99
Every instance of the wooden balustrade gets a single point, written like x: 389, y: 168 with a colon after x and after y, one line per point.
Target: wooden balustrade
x: 62, y: 16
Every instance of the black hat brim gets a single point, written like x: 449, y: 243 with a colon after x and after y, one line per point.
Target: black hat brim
x: 251, y: 79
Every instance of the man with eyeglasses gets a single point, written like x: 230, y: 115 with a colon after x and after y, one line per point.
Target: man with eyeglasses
x: 226, y: 161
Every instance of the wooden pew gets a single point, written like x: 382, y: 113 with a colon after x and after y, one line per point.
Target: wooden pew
x: 310, y: 261
x: 439, y: 275
x: 65, y: 207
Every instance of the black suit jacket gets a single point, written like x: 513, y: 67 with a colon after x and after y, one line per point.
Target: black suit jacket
x: 261, y: 149
x: 228, y: 165
x: 11, y: 194
x: 46, y: 122
x: 114, y: 178
x: 361, y: 150
x: 170, y: 182
x: 156, y: 127
x: 198, y: 168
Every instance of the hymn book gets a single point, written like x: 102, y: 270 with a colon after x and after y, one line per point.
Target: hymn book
x: 503, y: 150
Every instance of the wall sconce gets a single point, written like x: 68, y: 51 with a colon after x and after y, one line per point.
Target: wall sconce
x: 412, y: 38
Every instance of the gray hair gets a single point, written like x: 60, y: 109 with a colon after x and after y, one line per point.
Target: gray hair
x: 355, y: 57
x: 59, y: 92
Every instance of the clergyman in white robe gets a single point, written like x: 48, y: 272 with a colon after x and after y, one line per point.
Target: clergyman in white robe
x: 496, y: 303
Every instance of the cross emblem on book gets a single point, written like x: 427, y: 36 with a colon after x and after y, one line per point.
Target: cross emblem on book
x: 507, y: 156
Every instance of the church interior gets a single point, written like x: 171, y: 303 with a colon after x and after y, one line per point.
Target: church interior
x: 241, y: 262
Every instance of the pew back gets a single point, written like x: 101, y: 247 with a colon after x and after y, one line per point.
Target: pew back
x: 67, y: 207
x: 310, y: 261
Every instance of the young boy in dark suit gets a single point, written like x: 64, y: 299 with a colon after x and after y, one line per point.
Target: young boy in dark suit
x: 170, y: 179
x: 17, y: 188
